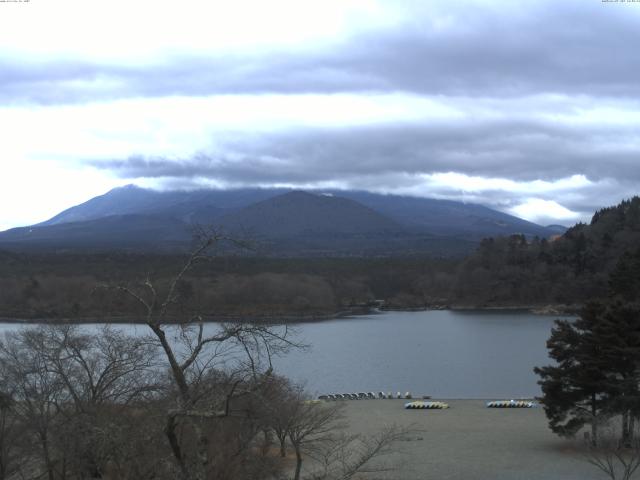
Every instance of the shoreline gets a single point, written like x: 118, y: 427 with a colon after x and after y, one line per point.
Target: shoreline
x: 231, y: 318
x: 277, y: 319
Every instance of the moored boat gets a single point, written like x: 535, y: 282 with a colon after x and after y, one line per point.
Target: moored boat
x: 511, y: 404
x: 420, y: 405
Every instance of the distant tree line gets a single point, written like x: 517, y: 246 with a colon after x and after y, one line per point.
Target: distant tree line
x: 65, y: 286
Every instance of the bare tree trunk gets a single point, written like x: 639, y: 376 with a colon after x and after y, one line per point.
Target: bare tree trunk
x: 170, y: 432
x: 3, y: 451
x: 47, y: 457
x: 267, y: 441
x: 185, y: 400
x: 298, y: 462
x: 202, y: 451
x: 178, y: 374
x: 594, y: 422
x: 63, y: 469
x: 626, y: 442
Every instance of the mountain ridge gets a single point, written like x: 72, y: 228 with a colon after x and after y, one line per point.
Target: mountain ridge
x: 287, y: 221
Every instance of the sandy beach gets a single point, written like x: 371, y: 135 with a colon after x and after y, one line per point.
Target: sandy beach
x: 469, y: 441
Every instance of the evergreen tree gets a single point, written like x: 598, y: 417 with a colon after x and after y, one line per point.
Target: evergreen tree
x: 574, y: 390
x: 618, y: 330
x: 598, y: 370
x: 624, y: 281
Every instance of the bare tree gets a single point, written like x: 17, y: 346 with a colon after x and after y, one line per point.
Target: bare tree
x: 345, y: 456
x: 242, y: 350
x: 37, y: 392
x: 103, y: 374
x: 310, y: 425
x: 280, y: 405
x: 11, y: 433
x: 316, y: 430
x: 75, y: 394
x: 105, y: 367
x: 616, y: 458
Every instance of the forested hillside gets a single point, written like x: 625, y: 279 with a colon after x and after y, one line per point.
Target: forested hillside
x: 569, y: 269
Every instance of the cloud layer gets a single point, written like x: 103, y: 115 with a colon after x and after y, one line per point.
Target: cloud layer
x: 486, y: 49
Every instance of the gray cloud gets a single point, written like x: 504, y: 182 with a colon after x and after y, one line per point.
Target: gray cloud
x: 523, y: 151
x: 395, y: 159
x: 570, y: 47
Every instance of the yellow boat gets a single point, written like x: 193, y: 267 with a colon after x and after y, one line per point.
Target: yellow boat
x: 511, y: 404
x: 426, y: 405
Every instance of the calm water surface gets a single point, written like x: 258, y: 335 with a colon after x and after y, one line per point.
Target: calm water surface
x: 446, y: 354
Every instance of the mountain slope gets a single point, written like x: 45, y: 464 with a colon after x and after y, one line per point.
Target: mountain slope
x: 286, y: 222
x: 557, y: 229
x: 439, y: 217
x: 446, y: 217
x: 111, y: 232
x: 300, y: 213
x: 200, y: 206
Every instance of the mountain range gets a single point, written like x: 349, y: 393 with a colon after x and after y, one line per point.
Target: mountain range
x: 279, y: 222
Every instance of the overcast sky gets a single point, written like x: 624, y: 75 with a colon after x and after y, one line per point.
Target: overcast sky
x: 530, y: 107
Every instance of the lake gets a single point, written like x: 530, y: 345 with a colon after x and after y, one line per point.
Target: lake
x: 446, y: 354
